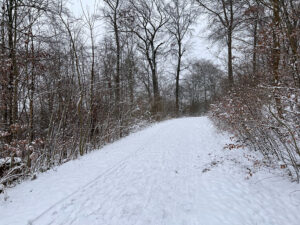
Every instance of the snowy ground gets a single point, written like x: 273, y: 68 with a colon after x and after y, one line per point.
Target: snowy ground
x: 173, y: 173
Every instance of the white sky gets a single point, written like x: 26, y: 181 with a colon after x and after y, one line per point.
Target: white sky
x: 200, y: 47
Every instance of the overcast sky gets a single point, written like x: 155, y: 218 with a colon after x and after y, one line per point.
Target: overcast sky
x: 199, y: 46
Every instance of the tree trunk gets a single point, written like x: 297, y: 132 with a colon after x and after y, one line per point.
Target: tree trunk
x: 4, y: 78
x: 156, y: 100
x: 15, y: 69
x: 12, y: 60
x: 177, y: 80
x: 31, y: 95
x: 92, y: 111
x: 230, y: 70
x: 230, y: 30
x: 117, y: 39
x: 254, y: 58
x: 276, y: 55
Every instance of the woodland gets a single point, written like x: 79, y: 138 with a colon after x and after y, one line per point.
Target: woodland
x: 65, y: 92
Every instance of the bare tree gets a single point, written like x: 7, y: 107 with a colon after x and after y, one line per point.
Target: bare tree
x: 113, y: 14
x: 147, y: 21
x: 75, y: 51
x: 90, y: 20
x: 182, y: 15
x: 225, y: 17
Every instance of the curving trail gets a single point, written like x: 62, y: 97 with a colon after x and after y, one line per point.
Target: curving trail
x: 173, y: 173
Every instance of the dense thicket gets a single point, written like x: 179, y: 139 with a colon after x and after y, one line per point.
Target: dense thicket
x: 262, y: 107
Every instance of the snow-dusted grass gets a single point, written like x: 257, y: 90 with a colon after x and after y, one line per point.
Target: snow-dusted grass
x: 175, y: 172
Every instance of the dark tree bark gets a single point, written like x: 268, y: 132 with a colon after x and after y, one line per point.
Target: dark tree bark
x: 182, y: 15
x: 227, y: 15
x: 149, y: 21
x: 276, y: 54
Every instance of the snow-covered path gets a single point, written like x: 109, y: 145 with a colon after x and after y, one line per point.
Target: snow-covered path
x: 173, y: 173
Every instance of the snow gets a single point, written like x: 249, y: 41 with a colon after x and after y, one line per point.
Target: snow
x: 174, y: 173
x: 7, y: 160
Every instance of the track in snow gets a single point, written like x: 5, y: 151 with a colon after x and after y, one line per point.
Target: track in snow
x: 154, y: 177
